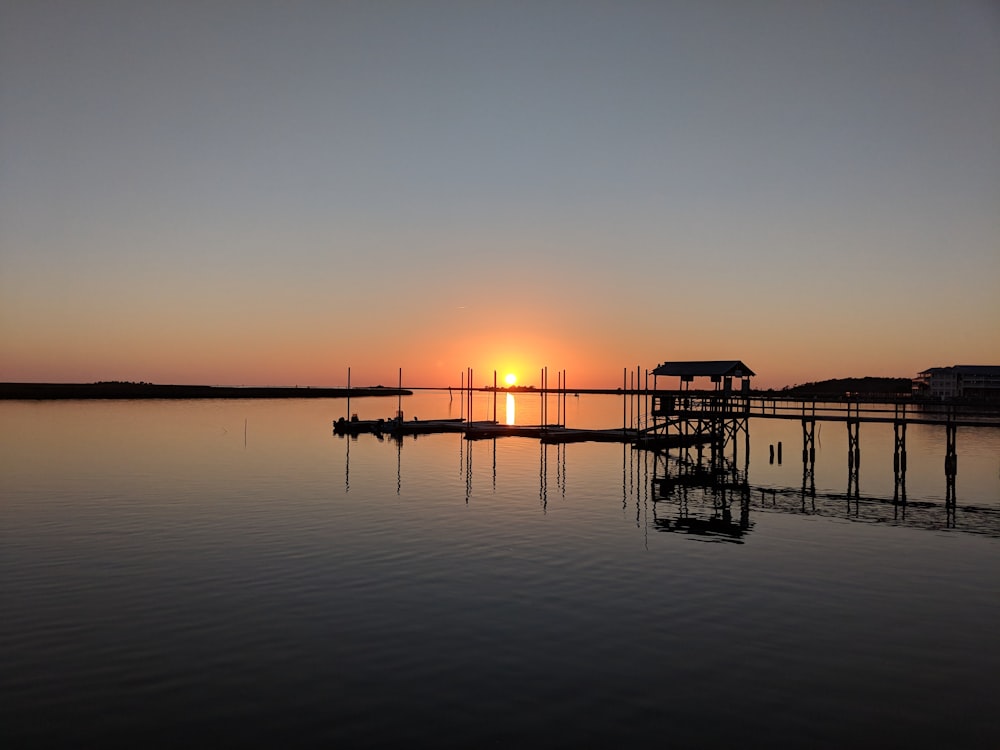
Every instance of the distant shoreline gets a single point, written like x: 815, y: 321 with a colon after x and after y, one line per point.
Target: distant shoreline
x: 890, y: 389
x: 87, y: 391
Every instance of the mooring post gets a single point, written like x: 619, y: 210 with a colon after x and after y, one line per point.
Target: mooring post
x: 637, y: 396
x: 558, y: 397
x: 645, y: 408
x: 631, y: 399
x: 624, y: 399
x: 545, y: 397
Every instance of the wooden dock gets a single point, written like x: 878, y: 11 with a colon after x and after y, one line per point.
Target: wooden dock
x: 487, y: 430
x: 491, y: 430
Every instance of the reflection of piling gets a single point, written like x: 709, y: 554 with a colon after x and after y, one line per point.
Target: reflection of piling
x: 950, y: 462
x: 809, y: 455
x: 853, y: 449
x: 899, y: 461
x: 809, y: 441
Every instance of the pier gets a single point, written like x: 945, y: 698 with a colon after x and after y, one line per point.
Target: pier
x: 706, y: 426
x: 699, y: 492
x: 717, y: 419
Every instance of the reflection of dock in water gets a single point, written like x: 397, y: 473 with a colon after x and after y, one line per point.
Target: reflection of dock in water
x: 923, y: 514
x: 714, y: 528
x: 704, y: 494
x: 715, y: 502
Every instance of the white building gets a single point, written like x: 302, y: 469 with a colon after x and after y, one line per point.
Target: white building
x: 966, y: 382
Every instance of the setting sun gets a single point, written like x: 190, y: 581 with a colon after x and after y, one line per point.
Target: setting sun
x: 510, y: 378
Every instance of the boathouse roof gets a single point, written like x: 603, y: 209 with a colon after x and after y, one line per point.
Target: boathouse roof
x: 706, y: 368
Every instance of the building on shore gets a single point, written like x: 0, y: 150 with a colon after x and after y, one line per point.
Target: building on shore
x: 959, y: 383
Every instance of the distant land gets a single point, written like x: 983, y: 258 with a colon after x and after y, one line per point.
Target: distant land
x: 841, y: 387
x: 126, y: 390
x: 854, y: 386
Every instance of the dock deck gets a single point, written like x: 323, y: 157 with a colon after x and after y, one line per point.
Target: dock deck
x: 490, y: 430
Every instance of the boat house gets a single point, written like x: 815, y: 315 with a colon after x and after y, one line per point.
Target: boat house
x: 720, y: 372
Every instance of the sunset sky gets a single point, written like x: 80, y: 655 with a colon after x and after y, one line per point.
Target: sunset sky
x: 272, y: 192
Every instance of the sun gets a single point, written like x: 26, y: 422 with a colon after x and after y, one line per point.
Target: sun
x: 510, y: 378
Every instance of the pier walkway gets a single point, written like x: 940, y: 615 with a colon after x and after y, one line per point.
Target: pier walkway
x: 687, y: 405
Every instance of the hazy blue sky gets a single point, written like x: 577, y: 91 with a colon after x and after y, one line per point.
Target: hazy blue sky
x: 269, y: 192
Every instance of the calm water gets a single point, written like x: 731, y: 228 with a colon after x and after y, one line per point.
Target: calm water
x: 232, y: 573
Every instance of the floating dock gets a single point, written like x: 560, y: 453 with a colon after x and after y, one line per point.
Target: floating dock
x: 490, y: 430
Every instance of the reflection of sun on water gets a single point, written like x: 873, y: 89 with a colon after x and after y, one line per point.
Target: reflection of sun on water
x: 510, y: 408
x: 510, y: 378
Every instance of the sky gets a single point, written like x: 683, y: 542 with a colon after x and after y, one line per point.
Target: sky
x: 269, y: 193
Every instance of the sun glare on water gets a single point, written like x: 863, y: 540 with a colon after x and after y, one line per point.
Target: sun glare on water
x: 510, y: 378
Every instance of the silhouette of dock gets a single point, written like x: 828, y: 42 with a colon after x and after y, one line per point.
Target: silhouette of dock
x: 483, y: 430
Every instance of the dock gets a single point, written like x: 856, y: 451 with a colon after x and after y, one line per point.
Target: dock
x: 482, y: 430
x: 491, y: 430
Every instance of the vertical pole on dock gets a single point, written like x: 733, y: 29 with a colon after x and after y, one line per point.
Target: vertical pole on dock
x: 558, y: 397
x: 545, y: 422
x: 631, y: 397
x: 348, y: 394
x: 645, y: 408
x: 461, y: 389
x: 564, y: 399
x: 470, y: 394
x: 399, y: 400
x: 624, y: 398
x: 638, y: 397
x: 494, y: 400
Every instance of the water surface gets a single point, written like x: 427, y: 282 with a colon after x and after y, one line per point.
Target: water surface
x: 230, y: 572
